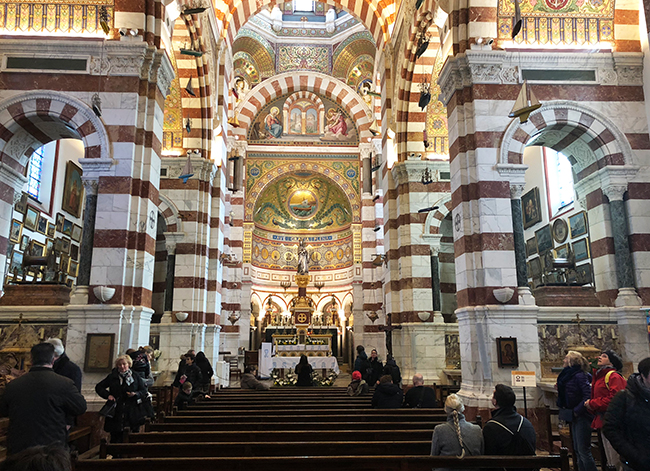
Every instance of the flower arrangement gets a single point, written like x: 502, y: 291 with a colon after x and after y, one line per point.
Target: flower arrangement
x: 293, y: 341
x: 325, y: 381
x: 290, y: 378
x: 313, y: 341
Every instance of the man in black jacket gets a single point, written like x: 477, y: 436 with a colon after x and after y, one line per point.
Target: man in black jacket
x: 63, y: 365
x: 420, y: 396
x: 627, y: 420
x: 508, y: 433
x: 38, y: 402
x: 387, y: 395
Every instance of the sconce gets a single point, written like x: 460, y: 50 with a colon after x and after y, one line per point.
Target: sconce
x: 373, y: 316
x: 234, y: 317
x: 379, y: 259
x: 181, y: 316
x: 285, y: 285
x: 319, y: 285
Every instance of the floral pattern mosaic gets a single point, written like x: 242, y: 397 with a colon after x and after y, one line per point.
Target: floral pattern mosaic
x: 314, y: 58
x: 559, y: 21
x: 173, y: 120
x: 437, y: 131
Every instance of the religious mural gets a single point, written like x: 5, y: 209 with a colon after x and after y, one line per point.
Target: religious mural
x: 292, y: 57
x: 173, y: 120
x: 303, y: 120
x: 436, y: 132
x: 302, y: 201
x: 559, y: 21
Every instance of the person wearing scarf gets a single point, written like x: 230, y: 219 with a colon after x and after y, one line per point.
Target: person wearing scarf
x: 128, y: 391
x: 574, y: 388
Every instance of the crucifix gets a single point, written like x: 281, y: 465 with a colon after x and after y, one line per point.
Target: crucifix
x: 388, y: 328
x: 578, y: 321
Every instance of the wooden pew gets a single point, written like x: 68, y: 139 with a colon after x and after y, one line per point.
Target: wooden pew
x: 341, y: 425
x: 316, y: 417
x: 265, y: 448
x: 284, y: 435
x: 311, y: 411
x: 326, y: 463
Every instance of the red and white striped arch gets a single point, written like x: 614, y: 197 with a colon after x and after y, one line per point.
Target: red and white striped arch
x: 608, y: 143
x: 434, y: 218
x: 317, y: 83
x: 32, y: 119
x: 376, y: 15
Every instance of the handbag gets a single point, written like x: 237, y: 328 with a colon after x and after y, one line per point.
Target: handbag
x: 108, y: 409
x: 565, y: 414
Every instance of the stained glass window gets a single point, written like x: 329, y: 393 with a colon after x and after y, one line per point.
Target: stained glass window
x: 560, y: 181
x: 35, y: 173
x: 303, y: 5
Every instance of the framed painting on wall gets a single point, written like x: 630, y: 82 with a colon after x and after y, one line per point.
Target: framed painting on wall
x: 507, y: 352
x: 562, y: 251
x: 99, y: 353
x: 31, y: 218
x: 560, y: 230
x: 76, y: 233
x: 16, y: 231
x: 60, y: 219
x: 578, y: 224
x: 21, y: 205
x: 581, y: 249
x: 584, y: 274
x: 72, y: 189
x: 544, y: 239
x: 531, y: 247
x: 42, y: 225
x: 531, y: 208
x: 51, y: 229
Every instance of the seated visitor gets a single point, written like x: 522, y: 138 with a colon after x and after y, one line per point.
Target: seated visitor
x: 357, y: 386
x: 304, y: 371
x: 456, y: 437
x: 249, y: 381
x: 420, y: 396
x: 508, y: 433
x: 387, y: 395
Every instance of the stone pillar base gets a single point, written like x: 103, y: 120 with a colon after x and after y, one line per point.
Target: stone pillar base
x: 526, y: 298
x: 627, y: 297
x: 79, y: 295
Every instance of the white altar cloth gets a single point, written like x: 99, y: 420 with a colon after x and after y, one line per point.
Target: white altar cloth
x: 328, y: 363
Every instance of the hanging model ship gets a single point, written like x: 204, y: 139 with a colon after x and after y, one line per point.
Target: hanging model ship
x: 526, y: 103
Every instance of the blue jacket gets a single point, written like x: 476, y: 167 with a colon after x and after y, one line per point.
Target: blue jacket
x: 574, y: 388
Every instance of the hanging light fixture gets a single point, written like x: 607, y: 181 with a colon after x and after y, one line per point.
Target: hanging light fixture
x: 96, y: 103
x: 103, y: 20
x: 423, y: 45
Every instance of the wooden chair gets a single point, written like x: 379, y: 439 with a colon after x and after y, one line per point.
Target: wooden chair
x: 235, y: 372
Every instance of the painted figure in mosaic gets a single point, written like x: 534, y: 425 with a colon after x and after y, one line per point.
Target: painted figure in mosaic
x: 273, y: 124
x: 303, y: 258
x: 336, y: 123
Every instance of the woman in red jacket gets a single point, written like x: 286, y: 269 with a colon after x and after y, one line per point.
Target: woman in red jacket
x: 606, y: 383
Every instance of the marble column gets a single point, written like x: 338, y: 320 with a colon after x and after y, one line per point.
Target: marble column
x: 622, y: 256
x: 169, y: 282
x: 86, y: 248
x: 365, y: 151
x: 518, y: 234
x: 435, y: 281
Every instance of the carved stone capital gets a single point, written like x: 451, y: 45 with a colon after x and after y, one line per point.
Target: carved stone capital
x: 614, y: 192
x: 12, y: 178
x: 365, y: 148
x: 516, y: 190
x: 91, y: 185
x: 171, y: 240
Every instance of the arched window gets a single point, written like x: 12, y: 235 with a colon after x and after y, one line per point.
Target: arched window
x: 35, y: 172
x: 559, y: 175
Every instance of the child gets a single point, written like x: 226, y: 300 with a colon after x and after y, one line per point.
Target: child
x: 358, y: 386
x: 185, y: 396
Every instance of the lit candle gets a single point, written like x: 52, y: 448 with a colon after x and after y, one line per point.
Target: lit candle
x: 600, y: 333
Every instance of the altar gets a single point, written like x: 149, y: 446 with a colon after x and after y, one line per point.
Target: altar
x: 269, y: 364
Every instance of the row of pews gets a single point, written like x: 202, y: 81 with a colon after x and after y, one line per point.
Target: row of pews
x: 318, y: 428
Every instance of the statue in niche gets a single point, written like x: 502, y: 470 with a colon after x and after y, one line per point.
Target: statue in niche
x: 303, y: 258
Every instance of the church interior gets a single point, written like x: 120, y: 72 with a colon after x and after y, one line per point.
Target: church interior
x: 257, y: 179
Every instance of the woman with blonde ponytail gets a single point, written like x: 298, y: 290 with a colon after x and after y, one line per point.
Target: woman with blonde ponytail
x: 456, y: 437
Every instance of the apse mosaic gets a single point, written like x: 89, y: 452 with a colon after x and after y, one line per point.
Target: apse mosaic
x: 342, y: 170
x: 436, y: 135
x: 303, y: 57
x: 559, y: 21
x: 300, y: 201
x: 173, y: 120
x: 67, y: 16
x: 332, y: 254
x: 301, y: 121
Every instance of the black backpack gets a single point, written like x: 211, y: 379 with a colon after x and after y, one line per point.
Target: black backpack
x: 519, y: 446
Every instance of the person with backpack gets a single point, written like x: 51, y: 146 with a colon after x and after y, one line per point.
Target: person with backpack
x: 420, y: 396
x: 392, y: 369
x: 357, y: 387
x: 607, y: 382
x: 627, y: 421
x: 456, y: 437
x: 362, y: 364
x: 508, y: 432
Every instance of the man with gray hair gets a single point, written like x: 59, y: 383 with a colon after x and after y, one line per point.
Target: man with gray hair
x: 420, y: 396
x: 63, y: 365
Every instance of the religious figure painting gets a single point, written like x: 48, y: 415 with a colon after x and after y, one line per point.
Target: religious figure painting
x: 507, y: 352
x: 72, y: 190
x: 531, y: 208
x: 298, y: 120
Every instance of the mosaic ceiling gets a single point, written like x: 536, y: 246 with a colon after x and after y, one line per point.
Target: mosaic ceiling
x: 71, y: 16
x: 559, y: 21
